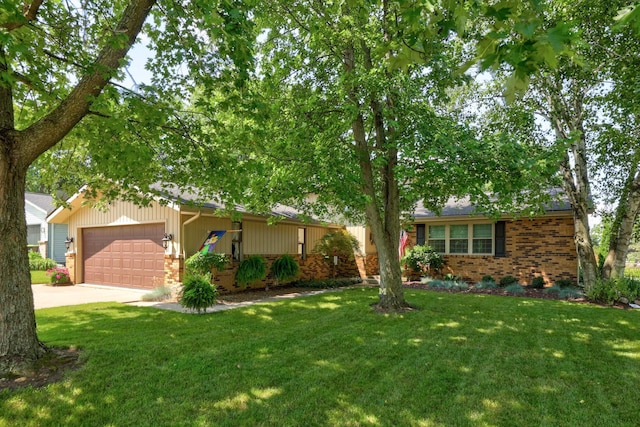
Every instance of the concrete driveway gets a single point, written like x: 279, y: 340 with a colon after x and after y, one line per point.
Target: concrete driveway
x: 57, y: 296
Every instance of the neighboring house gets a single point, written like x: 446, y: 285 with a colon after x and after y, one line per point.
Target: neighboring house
x: 49, y: 239
x: 123, y: 245
x: 474, y: 246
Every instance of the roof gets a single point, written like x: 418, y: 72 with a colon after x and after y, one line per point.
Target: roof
x: 456, y: 207
x: 175, y: 198
x: 174, y: 194
x: 44, y: 202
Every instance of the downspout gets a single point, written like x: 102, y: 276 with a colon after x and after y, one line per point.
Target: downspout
x: 182, y: 236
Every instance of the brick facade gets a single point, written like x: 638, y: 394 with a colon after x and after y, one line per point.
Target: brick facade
x: 539, y: 247
x: 312, y: 267
x: 368, y: 265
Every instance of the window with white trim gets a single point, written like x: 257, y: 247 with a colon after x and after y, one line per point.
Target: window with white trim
x: 437, y: 238
x: 482, y: 238
x: 459, y: 239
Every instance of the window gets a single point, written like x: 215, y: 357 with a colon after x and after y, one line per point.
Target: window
x: 482, y: 242
x: 302, y: 242
x: 459, y: 239
x: 420, y: 237
x: 485, y: 239
x: 437, y: 238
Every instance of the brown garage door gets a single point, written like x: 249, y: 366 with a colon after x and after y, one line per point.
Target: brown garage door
x: 130, y: 256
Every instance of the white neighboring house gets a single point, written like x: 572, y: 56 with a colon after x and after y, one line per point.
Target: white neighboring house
x: 49, y: 238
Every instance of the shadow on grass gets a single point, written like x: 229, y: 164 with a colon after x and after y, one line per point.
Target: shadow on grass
x: 330, y: 360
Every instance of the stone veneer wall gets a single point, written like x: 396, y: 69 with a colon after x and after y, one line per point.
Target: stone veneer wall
x: 173, y: 270
x: 70, y: 263
x: 539, y: 247
x: 312, y: 267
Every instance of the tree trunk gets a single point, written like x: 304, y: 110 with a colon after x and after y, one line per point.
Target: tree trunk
x: 391, y: 292
x: 622, y: 230
x: 19, y: 344
x: 582, y: 238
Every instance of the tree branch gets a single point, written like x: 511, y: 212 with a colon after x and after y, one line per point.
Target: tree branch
x: 50, y: 129
x: 29, y: 11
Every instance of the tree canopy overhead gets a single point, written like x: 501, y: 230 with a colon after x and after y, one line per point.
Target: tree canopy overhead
x: 348, y: 113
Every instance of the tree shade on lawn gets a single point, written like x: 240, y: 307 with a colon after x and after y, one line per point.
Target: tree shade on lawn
x: 330, y: 360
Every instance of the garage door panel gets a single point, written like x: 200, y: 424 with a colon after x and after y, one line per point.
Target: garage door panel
x: 129, y: 256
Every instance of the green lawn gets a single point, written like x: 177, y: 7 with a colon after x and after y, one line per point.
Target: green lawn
x: 329, y: 360
x: 39, y: 277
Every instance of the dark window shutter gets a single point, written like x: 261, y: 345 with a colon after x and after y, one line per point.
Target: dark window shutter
x: 420, y: 234
x: 501, y: 238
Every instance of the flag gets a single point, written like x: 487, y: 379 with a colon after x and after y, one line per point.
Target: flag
x: 211, y: 240
x: 404, y: 240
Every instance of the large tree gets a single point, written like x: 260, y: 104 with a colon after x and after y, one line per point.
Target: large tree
x: 588, y: 107
x: 348, y: 114
x: 59, y: 67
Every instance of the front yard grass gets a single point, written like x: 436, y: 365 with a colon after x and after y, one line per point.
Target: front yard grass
x: 39, y: 277
x: 330, y: 360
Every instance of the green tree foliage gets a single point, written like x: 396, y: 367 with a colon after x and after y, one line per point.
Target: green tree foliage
x: 588, y: 107
x: 350, y: 104
x: 59, y: 67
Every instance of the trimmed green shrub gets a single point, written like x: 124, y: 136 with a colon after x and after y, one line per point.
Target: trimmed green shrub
x: 508, y: 280
x: 490, y: 284
x: 537, y: 283
x: 284, y: 268
x: 564, y: 283
x: 514, y: 289
x: 488, y: 278
x: 202, y: 264
x: 36, y: 262
x: 251, y: 270
x: 198, y: 293
x: 423, y: 260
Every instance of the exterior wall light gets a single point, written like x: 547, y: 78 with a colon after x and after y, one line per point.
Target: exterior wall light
x: 166, y: 239
x: 68, y: 242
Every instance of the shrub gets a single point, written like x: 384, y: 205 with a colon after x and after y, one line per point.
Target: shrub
x: 603, y: 291
x: 198, y: 293
x: 508, y: 280
x: 284, y: 268
x: 609, y: 291
x: 36, y: 262
x: 537, y: 283
x: 514, y: 289
x: 563, y: 283
x: 438, y: 284
x: 159, y: 293
x: 490, y: 284
x: 202, y: 264
x: 459, y: 285
x: 564, y: 292
x: 341, y: 243
x: 423, y: 259
x: 59, y: 275
x: 251, y: 270
x: 488, y: 278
